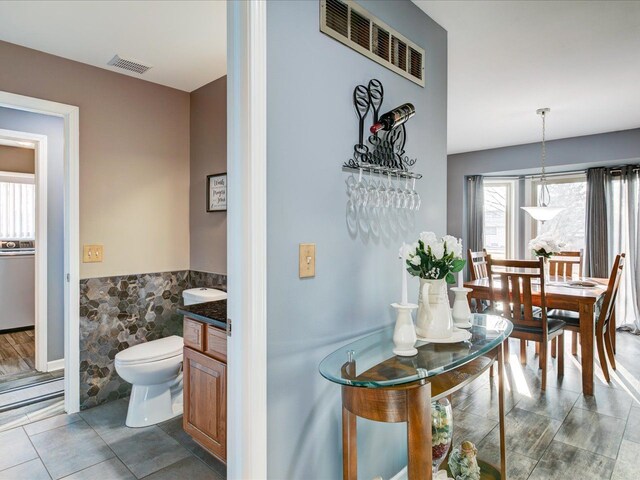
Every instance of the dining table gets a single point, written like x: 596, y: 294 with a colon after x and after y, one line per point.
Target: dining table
x: 561, y: 295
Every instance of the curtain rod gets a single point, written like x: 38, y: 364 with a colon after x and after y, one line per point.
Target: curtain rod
x: 613, y: 170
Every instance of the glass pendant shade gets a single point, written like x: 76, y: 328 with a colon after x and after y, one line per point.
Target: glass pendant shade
x: 542, y: 214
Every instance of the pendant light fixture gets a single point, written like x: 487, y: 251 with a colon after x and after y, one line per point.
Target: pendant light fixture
x: 543, y: 212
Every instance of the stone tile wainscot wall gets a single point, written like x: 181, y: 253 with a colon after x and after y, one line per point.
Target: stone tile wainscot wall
x: 122, y: 311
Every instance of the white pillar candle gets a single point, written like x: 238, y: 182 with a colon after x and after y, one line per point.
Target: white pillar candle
x: 405, y: 301
x: 460, y: 278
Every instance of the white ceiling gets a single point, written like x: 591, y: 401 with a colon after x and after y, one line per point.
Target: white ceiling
x: 185, y: 41
x: 508, y: 58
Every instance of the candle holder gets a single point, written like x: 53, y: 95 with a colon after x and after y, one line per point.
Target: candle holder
x: 404, y: 333
x: 461, y: 311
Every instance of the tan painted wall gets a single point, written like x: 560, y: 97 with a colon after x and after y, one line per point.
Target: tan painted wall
x: 134, y: 159
x: 208, y: 156
x: 17, y: 159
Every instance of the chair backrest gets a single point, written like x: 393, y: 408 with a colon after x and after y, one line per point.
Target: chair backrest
x: 562, y: 264
x: 478, y: 264
x: 609, y: 301
x: 515, y: 293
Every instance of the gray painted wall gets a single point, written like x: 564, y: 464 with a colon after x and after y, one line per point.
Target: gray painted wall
x: 311, y: 130
x: 566, y: 154
x: 208, y: 145
x: 53, y: 128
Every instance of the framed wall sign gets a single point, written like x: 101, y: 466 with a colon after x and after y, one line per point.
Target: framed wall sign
x: 217, y: 192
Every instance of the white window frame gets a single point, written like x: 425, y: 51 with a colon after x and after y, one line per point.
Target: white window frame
x: 511, y: 213
x: 533, y: 183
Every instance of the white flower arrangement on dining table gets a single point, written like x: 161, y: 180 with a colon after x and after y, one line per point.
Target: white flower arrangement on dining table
x: 433, y: 258
x: 546, y: 245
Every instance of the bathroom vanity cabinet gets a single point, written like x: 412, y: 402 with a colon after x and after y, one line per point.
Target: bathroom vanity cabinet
x: 205, y: 385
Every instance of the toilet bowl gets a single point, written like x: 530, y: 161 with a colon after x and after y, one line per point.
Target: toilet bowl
x: 155, y: 371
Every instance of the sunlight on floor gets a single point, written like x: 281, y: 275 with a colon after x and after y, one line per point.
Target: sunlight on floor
x: 629, y: 383
x: 518, y: 376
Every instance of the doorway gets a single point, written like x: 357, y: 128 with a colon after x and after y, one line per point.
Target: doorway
x: 70, y: 274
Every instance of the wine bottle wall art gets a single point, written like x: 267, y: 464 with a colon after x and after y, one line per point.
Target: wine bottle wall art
x: 382, y: 152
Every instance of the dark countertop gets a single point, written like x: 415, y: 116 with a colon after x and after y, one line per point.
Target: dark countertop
x: 213, y: 313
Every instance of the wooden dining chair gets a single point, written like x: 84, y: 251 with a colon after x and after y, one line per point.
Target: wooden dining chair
x: 515, y: 295
x: 605, y: 319
x: 478, y: 264
x: 564, y: 264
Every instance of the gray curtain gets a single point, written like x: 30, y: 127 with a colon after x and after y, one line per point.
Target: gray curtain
x: 624, y: 198
x: 597, y: 223
x: 474, y: 236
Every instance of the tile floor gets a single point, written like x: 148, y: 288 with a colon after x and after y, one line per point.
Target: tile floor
x: 558, y: 433
x: 555, y: 434
x: 17, y: 353
x: 42, y: 442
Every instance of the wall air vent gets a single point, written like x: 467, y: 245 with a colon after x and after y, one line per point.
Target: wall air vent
x: 349, y: 23
x: 128, y: 64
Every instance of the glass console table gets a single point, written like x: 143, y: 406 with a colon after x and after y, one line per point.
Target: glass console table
x: 380, y: 386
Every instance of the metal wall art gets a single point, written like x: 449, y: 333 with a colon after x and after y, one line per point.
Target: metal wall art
x: 383, y: 152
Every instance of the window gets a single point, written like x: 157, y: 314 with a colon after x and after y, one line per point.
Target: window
x: 17, y: 206
x: 569, y: 193
x: 498, y: 218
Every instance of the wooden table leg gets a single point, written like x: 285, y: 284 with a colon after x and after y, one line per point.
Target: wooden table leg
x: 586, y: 346
x: 419, y: 432
x: 349, y: 446
x: 503, y: 450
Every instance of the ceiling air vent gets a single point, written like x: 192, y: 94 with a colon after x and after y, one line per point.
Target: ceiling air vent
x: 349, y: 23
x: 129, y: 65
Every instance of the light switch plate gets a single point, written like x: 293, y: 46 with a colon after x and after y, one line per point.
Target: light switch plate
x: 307, y: 260
x: 92, y: 253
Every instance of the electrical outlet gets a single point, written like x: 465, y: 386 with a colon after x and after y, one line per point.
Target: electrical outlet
x: 307, y: 267
x: 92, y: 253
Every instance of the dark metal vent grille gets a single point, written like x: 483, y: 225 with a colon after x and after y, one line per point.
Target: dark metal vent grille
x: 381, y: 40
x: 129, y: 65
x: 360, y: 30
x: 349, y: 23
x: 415, y: 63
x: 337, y: 17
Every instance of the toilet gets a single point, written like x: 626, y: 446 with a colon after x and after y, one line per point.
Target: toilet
x: 155, y: 371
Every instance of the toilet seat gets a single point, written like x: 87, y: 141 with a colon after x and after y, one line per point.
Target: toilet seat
x: 151, y: 351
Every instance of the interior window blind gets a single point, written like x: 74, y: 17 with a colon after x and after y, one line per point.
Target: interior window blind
x: 17, y: 211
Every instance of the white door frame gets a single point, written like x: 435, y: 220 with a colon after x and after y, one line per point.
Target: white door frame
x: 246, y: 236
x: 39, y: 144
x: 71, y: 117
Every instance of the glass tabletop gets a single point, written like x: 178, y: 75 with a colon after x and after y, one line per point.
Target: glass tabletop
x: 370, y: 362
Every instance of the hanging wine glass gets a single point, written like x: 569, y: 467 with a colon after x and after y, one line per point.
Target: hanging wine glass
x: 399, y: 194
x: 391, y: 192
x: 352, y: 189
x: 363, y: 186
x: 441, y: 431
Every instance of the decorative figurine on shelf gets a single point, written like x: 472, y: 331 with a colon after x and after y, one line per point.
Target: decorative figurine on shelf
x: 463, y: 463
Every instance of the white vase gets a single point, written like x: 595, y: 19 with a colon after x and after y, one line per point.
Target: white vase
x: 434, y: 314
x: 461, y: 312
x: 404, y: 333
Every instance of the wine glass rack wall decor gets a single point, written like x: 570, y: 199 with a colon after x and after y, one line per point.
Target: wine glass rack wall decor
x: 384, y: 151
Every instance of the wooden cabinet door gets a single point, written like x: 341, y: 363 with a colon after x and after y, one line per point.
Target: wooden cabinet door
x: 205, y: 402
x: 216, y: 344
x: 193, y: 334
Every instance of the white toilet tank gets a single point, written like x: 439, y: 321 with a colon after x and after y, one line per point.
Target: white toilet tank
x: 193, y: 296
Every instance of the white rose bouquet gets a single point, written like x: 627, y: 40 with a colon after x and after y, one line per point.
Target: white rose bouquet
x: 546, y: 245
x: 434, y: 258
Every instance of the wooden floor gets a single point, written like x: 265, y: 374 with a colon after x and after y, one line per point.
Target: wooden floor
x: 17, y: 353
